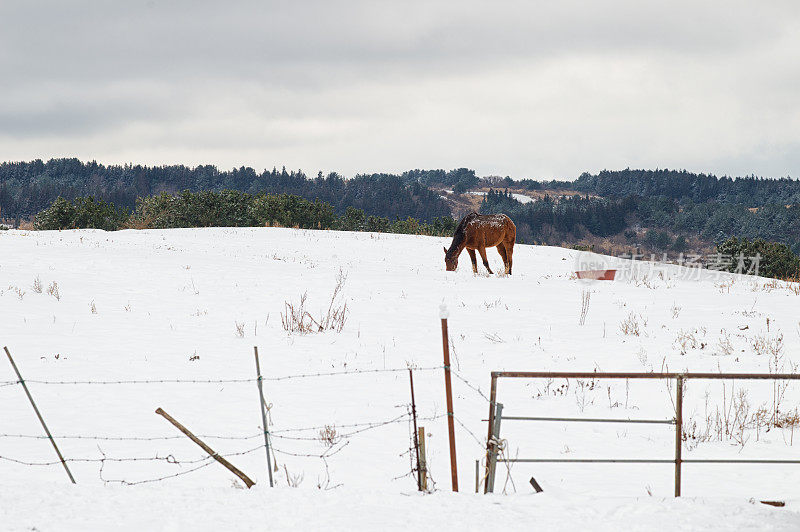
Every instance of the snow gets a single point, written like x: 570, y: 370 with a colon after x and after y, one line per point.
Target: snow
x: 167, y: 305
x: 522, y: 198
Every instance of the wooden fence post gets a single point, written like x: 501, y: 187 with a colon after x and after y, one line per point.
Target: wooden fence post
x: 39, y: 415
x: 443, y: 314
x: 206, y: 448
x: 416, y: 438
x: 423, y: 463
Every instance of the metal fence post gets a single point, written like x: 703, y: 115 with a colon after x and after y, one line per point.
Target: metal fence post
x: 492, y: 397
x: 678, y: 433
x: 451, y: 428
x: 495, y: 444
x: 41, y: 419
x: 263, y: 416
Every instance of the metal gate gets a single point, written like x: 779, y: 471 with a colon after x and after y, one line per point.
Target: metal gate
x: 496, y: 417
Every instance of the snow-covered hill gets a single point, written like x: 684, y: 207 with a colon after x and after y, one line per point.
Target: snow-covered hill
x: 191, y: 304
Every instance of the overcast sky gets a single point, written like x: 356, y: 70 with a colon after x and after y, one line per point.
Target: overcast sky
x: 526, y: 89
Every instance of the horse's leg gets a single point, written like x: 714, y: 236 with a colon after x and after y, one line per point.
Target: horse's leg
x: 482, y: 251
x: 501, y: 248
x: 509, y: 246
x: 474, y: 260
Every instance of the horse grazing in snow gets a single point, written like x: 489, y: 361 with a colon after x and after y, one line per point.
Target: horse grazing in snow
x: 481, y: 231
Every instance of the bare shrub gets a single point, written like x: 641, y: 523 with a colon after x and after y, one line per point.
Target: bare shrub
x: 676, y: 310
x: 37, y: 285
x: 724, y: 345
x: 239, y: 329
x: 685, y: 340
x: 329, y: 436
x: 763, y: 344
x: 53, y: 291
x: 585, y: 298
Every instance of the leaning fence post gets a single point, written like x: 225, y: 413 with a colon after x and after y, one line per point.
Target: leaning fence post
x: 41, y: 419
x: 232, y: 468
x: 495, y: 444
x: 416, y: 438
x: 678, y: 433
x: 443, y: 314
x: 263, y: 416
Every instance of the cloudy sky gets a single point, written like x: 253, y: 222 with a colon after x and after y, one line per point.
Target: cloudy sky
x: 526, y: 89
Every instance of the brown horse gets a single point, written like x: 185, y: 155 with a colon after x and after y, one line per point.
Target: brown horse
x: 481, y: 231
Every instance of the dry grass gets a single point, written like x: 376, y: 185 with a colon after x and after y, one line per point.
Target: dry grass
x: 18, y: 291
x: 725, y: 285
x: 586, y: 296
x: 296, y: 317
x: 53, y: 291
x: 37, y: 285
x: 293, y: 481
x: 633, y: 325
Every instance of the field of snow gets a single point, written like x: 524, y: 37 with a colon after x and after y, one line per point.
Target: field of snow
x: 189, y: 305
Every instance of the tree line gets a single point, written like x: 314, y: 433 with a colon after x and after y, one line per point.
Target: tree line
x: 28, y: 187
x: 226, y: 208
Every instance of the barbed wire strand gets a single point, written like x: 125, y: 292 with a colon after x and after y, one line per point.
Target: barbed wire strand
x: 480, y: 443
x: 277, y: 433
x: 470, y: 385
x: 128, y: 438
x: 222, y: 381
x: 349, y: 372
x: 168, y: 458
x: 159, y: 479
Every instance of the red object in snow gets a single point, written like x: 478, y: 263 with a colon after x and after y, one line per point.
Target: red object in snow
x: 597, y: 275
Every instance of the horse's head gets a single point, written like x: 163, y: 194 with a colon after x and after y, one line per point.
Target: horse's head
x: 450, y: 262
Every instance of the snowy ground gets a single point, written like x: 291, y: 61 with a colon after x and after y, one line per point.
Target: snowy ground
x: 191, y: 304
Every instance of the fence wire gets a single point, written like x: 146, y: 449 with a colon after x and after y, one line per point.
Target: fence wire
x: 288, y: 434
x: 220, y: 381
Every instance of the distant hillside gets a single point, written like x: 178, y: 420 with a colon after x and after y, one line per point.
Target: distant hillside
x: 651, y: 210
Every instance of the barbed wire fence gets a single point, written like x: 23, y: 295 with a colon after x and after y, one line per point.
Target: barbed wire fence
x: 291, y: 434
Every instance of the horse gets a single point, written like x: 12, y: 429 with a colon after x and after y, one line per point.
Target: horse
x: 479, y: 231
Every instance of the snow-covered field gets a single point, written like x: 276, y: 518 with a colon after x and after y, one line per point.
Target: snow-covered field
x: 190, y: 305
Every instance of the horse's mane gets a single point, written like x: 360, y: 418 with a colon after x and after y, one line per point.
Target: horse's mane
x: 460, y: 233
